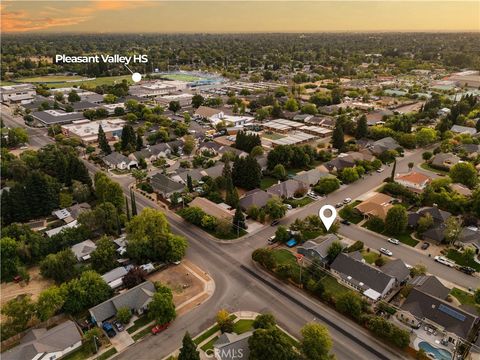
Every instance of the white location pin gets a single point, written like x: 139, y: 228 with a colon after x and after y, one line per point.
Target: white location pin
x: 136, y: 77
x: 327, y: 220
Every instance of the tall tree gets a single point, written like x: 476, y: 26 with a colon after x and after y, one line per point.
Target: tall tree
x: 161, y: 308
x: 396, y: 220
x: 104, y: 257
x: 316, y: 342
x: 362, y: 127
x: 338, y: 139
x: 394, y: 168
x: 139, y: 142
x: 129, y: 139
x: 60, y: 266
x: 188, y: 351
x: 239, y: 219
x: 102, y: 141
x: 134, y: 202
x: 189, y: 183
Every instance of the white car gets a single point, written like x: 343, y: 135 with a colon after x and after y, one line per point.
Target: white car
x: 386, y: 251
x: 271, y: 240
x: 393, y: 241
x: 380, y: 170
x: 347, y: 200
x: 288, y: 206
x: 444, y: 261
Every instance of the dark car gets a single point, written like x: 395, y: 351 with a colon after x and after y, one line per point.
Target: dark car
x: 467, y: 270
x: 118, y: 325
x: 345, y: 222
x: 275, y: 222
x: 338, y: 205
x: 425, y: 245
x: 109, y: 329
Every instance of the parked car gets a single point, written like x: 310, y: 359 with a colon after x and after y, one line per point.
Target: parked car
x: 425, y: 245
x: 109, y: 329
x: 467, y: 270
x: 275, y: 222
x: 313, y: 196
x: 159, y: 328
x: 385, y: 251
x: 338, y: 205
x: 393, y: 241
x: 291, y: 243
x: 444, y: 261
x: 118, y: 325
x: 345, y: 222
x: 380, y: 170
x: 288, y: 206
x: 347, y: 200
x: 271, y: 240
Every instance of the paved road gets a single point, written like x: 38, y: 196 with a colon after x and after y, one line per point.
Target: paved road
x: 37, y: 136
x: 239, y: 285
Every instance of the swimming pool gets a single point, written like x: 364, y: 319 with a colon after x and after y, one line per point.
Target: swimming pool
x: 439, y: 354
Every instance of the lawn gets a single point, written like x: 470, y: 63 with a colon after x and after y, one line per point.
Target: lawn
x: 353, y: 216
x: 83, y: 352
x: 464, y: 297
x: 333, y: 287
x: 242, y: 326
x: 460, y: 260
x: 209, y: 345
x: 107, y: 354
x: 267, y: 181
x: 61, y: 81
x: 299, y: 202
x: 142, y: 333
x: 405, y: 238
x: 426, y: 166
x: 181, y: 77
x: 370, y: 256
x: 206, y: 334
x: 308, y: 235
x: 139, y: 323
x: 284, y: 256
x: 48, y: 79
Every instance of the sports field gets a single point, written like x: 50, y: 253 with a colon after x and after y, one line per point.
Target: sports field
x: 67, y: 81
x: 181, y: 77
x: 53, y: 78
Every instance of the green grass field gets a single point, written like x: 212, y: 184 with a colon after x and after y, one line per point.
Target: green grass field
x: 53, y: 78
x: 242, y: 326
x: 61, y: 81
x: 181, y: 77
x: 427, y: 166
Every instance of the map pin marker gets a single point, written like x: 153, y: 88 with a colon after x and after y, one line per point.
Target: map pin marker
x: 327, y: 219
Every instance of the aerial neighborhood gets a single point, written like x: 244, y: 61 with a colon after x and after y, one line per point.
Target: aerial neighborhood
x: 130, y: 206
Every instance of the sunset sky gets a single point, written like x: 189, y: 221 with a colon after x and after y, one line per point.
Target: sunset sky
x: 238, y: 16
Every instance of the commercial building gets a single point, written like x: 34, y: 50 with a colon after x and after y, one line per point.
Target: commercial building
x: 55, y: 117
x: 183, y: 99
x: 22, y: 93
x: 87, y: 131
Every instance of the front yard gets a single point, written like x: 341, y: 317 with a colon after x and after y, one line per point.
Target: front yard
x: 405, y: 238
x: 349, y: 213
x: 299, y: 202
x: 465, y: 298
x: 458, y: 257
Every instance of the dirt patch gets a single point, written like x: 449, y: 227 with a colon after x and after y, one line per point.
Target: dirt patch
x: 35, y: 286
x: 181, y: 280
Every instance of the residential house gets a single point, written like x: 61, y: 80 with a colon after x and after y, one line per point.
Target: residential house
x: 287, y: 189
x: 83, y: 250
x: 414, y: 181
x: 44, y: 344
x: 59, y: 229
x: 341, y: 162
x: 398, y: 269
x: 436, y: 233
x: 220, y: 211
x: 205, y: 112
x: 317, y: 249
x: 256, y: 198
x: 461, y: 189
x: 119, y: 161
x: 71, y: 213
x: 472, y: 150
x: 384, y: 144
x: 376, y: 206
x: 165, y: 186
x: 359, y: 275
x: 230, y: 346
x: 153, y: 152
x: 427, y: 302
x: 136, y: 299
x: 458, y: 129
x: 470, y: 236
x: 310, y: 177
x: 376, y: 117
x: 114, y: 278
x: 445, y: 160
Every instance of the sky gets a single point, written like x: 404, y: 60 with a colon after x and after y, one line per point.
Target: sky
x: 138, y: 16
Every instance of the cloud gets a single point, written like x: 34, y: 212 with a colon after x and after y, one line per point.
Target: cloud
x: 48, y: 17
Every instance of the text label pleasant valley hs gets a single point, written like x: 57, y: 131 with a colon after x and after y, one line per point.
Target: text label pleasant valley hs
x: 111, y: 59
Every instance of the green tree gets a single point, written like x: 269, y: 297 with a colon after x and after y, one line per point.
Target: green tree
x: 316, y: 342
x: 224, y: 321
x: 270, y: 344
x: 104, y: 257
x: 452, y: 231
x: 279, y: 172
x: 349, y: 175
x: 49, y: 302
x: 333, y: 250
x: 264, y: 321
x: 128, y: 139
x: 464, y: 173
x: 309, y: 108
x: 396, y: 220
x: 291, y: 105
x: 424, y: 223
x: 19, y: 312
x: 427, y: 155
x: 239, y: 219
x: 257, y: 151
x: 60, y: 266
x: 338, y: 139
x: 476, y: 296
x: 124, y: 314
x: 188, y: 351
x: 174, y: 106
x: 161, y: 308
x: 197, y: 101
x: 73, y: 96
x: 417, y: 270
x: 9, y: 256
x: 351, y: 304
x: 275, y: 208
x: 326, y: 185
x: 282, y: 235
x: 426, y: 136
x: 189, y: 144
x: 362, y: 127
x: 108, y: 190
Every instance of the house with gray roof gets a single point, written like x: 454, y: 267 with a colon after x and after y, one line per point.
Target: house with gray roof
x: 398, y: 269
x: 287, y: 189
x: 427, y: 303
x: 340, y: 162
x: 318, y: 249
x: 43, y: 343
x: 114, y: 278
x: 436, y: 233
x: 310, y: 177
x: 119, y: 161
x: 445, y: 160
x: 256, y: 198
x: 230, y: 346
x: 458, y: 129
x: 384, y: 144
x: 165, y: 186
x: 361, y: 276
x: 470, y: 236
x: 136, y: 299
x: 83, y: 250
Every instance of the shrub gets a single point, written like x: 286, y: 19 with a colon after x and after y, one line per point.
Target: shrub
x: 356, y: 246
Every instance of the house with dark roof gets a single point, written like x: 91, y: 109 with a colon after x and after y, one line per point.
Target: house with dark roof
x: 54, y: 117
x: 256, y: 198
x: 470, y: 236
x: 361, y: 276
x: 427, y: 303
x: 398, y: 269
x: 165, y: 186
x: 136, y: 299
x: 119, y: 161
x: 230, y: 346
x: 310, y: 177
x: 287, y: 189
x: 384, y: 144
x: 436, y: 233
x: 445, y: 160
x: 83, y: 250
x: 317, y: 249
x: 44, y: 344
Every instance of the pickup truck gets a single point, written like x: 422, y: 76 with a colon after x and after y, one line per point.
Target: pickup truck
x: 109, y: 329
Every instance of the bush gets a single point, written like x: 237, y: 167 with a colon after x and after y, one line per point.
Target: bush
x: 380, y: 261
x: 388, y: 331
x: 356, y: 246
x: 375, y: 224
x: 124, y: 315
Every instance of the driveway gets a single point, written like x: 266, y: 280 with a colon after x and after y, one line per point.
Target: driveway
x: 121, y: 340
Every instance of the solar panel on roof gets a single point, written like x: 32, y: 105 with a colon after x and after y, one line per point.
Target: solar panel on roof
x: 453, y: 313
